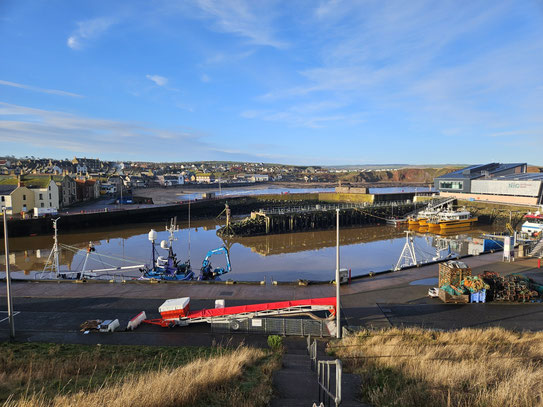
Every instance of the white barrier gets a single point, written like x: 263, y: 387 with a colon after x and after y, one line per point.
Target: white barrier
x: 136, y: 321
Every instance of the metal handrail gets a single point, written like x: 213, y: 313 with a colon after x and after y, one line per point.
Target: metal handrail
x: 324, y: 381
x: 312, y: 350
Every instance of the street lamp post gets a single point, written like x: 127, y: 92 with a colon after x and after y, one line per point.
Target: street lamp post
x: 338, y: 330
x: 8, y: 278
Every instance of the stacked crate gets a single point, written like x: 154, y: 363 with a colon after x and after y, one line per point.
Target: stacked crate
x: 452, y: 273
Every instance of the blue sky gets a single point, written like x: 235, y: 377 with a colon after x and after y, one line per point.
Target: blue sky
x: 297, y: 82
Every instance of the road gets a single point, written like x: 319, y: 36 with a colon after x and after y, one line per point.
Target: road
x: 52, y: 312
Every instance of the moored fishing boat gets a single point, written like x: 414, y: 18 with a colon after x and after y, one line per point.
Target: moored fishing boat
x: 452, y: 219
x: 421, y: 218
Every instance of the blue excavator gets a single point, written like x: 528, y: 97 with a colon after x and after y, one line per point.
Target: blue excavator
x: 207, y: 272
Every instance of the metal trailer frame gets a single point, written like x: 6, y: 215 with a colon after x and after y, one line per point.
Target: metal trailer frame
x: 195, y: 317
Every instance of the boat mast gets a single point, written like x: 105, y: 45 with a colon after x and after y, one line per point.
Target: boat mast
x: 90, y: 249
x: 408, y: 255
x: 189, y: 235
x: 55, y: 248
x: 53, y: 262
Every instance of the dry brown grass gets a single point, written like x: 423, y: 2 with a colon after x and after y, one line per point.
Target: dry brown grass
x: 471, y: 367
x: 168, y: 386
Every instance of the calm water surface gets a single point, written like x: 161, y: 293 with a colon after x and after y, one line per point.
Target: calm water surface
x: 286, y: 257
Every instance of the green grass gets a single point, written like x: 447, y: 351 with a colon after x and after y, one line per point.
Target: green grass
x: 41, y: 181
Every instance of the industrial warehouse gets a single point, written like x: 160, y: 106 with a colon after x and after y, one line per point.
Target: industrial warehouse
x: 494, y: 182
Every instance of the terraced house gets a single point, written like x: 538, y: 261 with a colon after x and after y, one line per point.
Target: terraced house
x: 46, y: 193
x: 17, y: 198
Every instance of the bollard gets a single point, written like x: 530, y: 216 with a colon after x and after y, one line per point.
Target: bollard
x: 539, y: 263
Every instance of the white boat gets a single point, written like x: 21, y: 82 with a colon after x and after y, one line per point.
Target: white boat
x: 533, y: 224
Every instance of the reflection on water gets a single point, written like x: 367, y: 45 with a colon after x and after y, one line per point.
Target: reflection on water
x: 285, y: 257
x: 303, y: 241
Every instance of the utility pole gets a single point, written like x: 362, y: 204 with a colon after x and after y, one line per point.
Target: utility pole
x: 338, y: 324
x: 8, y: 278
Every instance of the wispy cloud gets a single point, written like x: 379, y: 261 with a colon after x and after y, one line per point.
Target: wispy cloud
x: 413, y: 62
x: 157, y: 79
x: 41, y: 90
x: 38, y: 127
x: 205, y: 78
x: 88, y: 30
x: 298, y: 117
x: 245, y: 18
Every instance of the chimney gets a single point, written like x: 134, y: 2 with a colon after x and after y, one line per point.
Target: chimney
x: 19, y: 183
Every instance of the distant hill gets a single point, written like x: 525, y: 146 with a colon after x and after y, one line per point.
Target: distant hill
x: 421, y: 175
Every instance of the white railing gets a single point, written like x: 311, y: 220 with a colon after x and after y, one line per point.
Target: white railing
x: 312, y: 350
x: 325, y: 382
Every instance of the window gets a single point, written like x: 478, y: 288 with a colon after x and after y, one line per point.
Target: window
x: 3, y: 198
x: 41, y: 197
x: 50, y: 204
x: 41, y: 204
x: 456, y: 185
x: 24, y: 197
x: 49, y: 187
x: 49, y: 196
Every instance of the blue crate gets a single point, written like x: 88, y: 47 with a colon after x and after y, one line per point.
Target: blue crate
x: 479, y: 296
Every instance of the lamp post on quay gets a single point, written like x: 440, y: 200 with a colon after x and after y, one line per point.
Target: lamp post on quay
x: 338, y: 330
x: 8, y: 277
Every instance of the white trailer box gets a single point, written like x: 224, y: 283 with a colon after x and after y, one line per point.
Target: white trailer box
x: 175, y: 308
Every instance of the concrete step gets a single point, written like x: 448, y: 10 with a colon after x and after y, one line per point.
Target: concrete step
x: 296, y: 362
x: 304, y: 403
x: 292, y: 403
x: 291, y: 384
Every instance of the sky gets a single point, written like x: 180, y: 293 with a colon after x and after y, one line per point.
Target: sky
x: 307, y: 82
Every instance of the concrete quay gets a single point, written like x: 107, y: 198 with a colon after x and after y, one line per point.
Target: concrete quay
x: 52, y: 311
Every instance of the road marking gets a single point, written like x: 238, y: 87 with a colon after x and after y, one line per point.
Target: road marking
x: 6, y: 318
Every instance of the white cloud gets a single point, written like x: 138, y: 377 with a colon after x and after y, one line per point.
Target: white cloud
x: 88, y: 30
x: 157, y: 79
x: 304, y: 116
x: 41, y: 90
x: 248, y: 19
x: 65, y: 131
x: 205, y: 78
x: 38, y: 128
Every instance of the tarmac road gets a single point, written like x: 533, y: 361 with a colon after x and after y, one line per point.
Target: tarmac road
x: 58, y: 320
x: 52, y: 312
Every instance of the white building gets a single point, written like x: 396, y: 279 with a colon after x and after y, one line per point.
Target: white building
x: 46, y: 197
x: 260, y: 178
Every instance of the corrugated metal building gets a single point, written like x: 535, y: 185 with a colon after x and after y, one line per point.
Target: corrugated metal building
x: 503, y: 183
x: 460, y: 180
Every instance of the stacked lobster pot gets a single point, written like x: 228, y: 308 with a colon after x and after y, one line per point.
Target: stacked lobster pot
x: 512, y: 288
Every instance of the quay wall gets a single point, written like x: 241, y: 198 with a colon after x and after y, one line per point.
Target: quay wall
x: 204, y: 209
x: 209, y: 209
x: 496, y: 213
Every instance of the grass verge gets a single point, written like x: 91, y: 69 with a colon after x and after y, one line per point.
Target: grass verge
x: 470, y: 367
x: 64, y: 375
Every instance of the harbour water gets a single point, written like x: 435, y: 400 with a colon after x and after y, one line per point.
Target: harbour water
x: 284, y: 257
